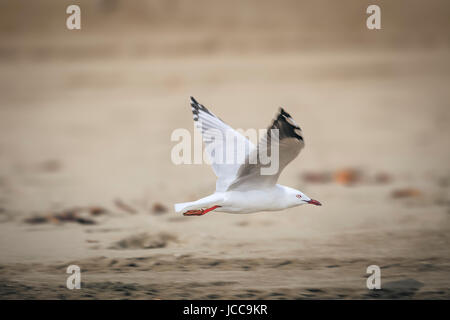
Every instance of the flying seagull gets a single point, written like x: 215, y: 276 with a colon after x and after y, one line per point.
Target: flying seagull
x: 242, y: 187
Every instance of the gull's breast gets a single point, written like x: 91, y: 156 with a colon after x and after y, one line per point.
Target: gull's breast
x: 251, y: 201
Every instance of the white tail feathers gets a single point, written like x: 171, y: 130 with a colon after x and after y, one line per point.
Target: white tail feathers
x: 179, y: 207
x: 209, y: 201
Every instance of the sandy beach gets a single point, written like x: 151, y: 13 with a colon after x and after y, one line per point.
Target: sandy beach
x: 86, y: 176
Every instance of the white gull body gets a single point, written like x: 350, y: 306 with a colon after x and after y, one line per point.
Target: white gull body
x: 240, y: 187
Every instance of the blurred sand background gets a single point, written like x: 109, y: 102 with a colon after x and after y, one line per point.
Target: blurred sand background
x: 85, y: 171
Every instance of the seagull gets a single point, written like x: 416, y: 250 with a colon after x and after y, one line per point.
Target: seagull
x: 241, y: 187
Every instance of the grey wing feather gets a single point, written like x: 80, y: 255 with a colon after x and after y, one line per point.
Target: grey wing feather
x: 283, y: 134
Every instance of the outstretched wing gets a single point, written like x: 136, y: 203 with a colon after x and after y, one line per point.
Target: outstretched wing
x: 226, y: 147
x: 283, y: 134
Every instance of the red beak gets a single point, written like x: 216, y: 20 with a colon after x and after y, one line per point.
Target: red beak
x: 314, y: 202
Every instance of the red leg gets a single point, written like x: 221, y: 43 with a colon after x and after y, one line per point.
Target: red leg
x: 210, y: 209
x: 194, y: 213
x: 199, y: 212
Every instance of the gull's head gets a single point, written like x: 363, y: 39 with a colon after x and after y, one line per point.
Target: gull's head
x: 302, y: 198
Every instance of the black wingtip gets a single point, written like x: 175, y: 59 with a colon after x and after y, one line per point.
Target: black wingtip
x: 284, y: 113
x: 197, y: 107
x: 193, y: 100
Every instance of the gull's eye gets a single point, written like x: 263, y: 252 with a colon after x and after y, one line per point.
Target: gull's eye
x: 298, y: 196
